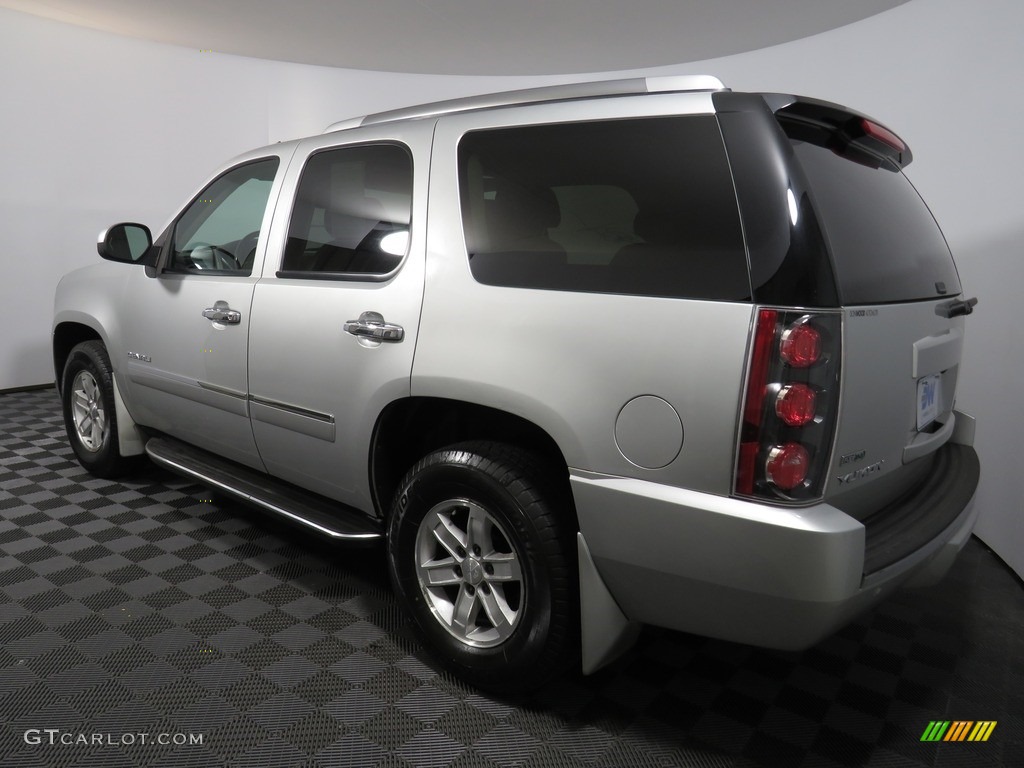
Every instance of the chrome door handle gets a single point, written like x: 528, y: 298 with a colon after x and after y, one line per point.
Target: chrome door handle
x: 371, y: 325
x: 223, y: 315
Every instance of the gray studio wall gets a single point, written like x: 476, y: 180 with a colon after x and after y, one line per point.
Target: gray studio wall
x: 944, y: 74
x: 97, y: 128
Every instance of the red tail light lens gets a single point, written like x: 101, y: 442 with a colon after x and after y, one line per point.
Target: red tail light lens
x: 801, y: 345
x: 796, y: 405
x: 764, y: 340
x: 787, y: 465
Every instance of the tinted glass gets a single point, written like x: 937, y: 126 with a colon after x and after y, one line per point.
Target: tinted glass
x: 220, y: 230
x: 640, y: 206
x: 885, y: 244
x: 137, y: 240
x: 352, y: 213
x: 789, y: 260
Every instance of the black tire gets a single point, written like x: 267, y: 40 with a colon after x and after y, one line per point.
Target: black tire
x: 87, y: 395
x: 513, y: 509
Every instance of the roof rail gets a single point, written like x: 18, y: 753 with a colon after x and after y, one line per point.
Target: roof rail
x: 625, y: 87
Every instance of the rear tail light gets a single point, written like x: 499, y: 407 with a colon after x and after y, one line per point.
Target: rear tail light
x: 790, y: 406
x: 796, y: 405
x: 801, y: 345
x: 787, y: 465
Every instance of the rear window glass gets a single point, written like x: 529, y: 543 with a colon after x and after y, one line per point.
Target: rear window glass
x: 885, y: 244
x: 640, y: 206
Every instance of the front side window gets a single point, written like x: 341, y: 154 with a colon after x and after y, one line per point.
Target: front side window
x: 219, y: 232
x: 640, y: 206
x: 352, y: 214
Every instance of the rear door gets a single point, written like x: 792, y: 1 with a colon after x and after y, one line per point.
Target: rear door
x: 335, y: 317
x: 833, y: 226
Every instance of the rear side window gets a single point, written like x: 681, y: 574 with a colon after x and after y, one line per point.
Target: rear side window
x: 640, y: 206
x: 351, y: 214
x: 886, y: 246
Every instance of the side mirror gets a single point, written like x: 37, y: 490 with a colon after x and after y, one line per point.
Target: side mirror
x: 126, y: 243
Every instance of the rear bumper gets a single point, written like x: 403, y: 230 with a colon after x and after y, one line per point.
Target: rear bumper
x: 752, y: 573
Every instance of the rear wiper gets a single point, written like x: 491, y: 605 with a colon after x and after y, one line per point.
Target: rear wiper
x: 958, y: 307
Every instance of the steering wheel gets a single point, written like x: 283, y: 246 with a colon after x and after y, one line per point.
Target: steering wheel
x: 245, y: 251
x: 205, y: 254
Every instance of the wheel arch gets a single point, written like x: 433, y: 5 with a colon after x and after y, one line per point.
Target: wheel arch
x: 66, y: 336
x: 408, y: 429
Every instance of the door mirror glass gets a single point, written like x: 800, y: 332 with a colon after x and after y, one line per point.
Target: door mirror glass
x: 126, y: 243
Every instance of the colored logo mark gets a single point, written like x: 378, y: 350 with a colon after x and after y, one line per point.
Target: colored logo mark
x: 958, y: 730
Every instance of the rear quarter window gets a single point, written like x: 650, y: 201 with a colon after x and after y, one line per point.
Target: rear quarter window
x: 639, y: 206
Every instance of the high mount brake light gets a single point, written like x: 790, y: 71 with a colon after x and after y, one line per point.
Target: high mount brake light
x: 856, y: 137
x: 791, y: 405
x: 882, y: 134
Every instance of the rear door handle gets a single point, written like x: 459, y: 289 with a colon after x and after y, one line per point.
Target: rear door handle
x: 223, y: 315
x: 371, y: 325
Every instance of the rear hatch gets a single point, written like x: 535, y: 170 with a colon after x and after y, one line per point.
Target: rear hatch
x: 898, y: 286
x: 840, y: 241
x: 903, y: 316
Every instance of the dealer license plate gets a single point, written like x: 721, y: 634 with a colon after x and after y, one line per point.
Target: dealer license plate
x: 929, y: 396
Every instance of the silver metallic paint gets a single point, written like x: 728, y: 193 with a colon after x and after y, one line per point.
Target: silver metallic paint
x: 885, y: 351
x: 775, y: 577
x: 556, y: 358
x: 307, y: 359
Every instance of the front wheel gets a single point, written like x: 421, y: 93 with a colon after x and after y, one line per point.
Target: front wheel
x: 87, y: 395
x: 485, y: 564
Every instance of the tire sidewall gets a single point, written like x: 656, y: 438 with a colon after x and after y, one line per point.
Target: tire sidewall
x: 91, y: 357
x: 457, y: 478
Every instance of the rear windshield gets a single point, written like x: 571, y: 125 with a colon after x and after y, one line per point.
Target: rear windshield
x: 885, y: 243
x: 642, y: 207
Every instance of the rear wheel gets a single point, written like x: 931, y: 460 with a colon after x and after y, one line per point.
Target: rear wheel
x: 89, y: 416
x: 486, y: 566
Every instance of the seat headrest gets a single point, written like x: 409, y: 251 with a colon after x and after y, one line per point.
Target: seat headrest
x: 516, y: 213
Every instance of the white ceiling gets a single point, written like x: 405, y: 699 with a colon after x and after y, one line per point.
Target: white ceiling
x: 465, y: 37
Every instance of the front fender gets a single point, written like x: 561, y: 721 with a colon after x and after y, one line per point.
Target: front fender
x: 86, y: 305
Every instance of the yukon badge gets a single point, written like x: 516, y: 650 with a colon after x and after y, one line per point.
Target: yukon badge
x: 871, y: 469
x: 137, y: 356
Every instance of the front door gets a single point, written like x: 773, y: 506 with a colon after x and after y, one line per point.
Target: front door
x: 335, y: 316
x: 187, y: 329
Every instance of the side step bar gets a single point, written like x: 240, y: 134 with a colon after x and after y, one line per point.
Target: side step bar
x: 322, y: 515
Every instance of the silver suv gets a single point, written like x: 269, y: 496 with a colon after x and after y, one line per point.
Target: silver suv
x: 586, y: 357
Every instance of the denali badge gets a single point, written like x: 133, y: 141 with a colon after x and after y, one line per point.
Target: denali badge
x: 850, y: 457
x: 858, y: 474
x: 143, y: 358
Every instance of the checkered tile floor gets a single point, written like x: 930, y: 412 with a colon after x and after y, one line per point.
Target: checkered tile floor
x: 146, y: 623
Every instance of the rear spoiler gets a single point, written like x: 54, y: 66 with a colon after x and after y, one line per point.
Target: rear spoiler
x: 855, y: 136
